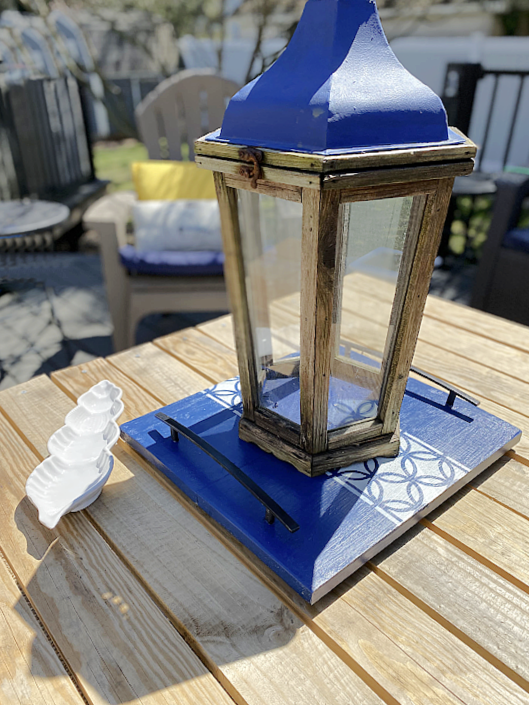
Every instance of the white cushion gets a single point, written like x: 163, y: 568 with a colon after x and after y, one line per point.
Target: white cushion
x: 177, y: 225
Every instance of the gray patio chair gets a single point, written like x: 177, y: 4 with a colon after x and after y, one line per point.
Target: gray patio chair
x: 182, y: 109
x: 501, y: 285
x: 178, y: 111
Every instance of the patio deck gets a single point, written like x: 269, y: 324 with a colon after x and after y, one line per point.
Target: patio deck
x: 31, y: 343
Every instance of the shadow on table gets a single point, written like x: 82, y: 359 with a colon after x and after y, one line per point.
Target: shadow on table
x: 114, y: 637
x: 82, y: 590
x: 116, y: 641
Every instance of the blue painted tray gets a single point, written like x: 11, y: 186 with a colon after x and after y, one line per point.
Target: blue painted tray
x: 345, y: 516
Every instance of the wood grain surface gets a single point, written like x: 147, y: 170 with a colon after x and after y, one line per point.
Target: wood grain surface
x: 413, y: 641
x: 31, y: 672
x: 506, y: 482
x: 489, y: 530
x: 401, y: 680
x: 440, y: 617
x: 326, y: 163
x: 256, y: 646
x: 206, y: 356
x: 143, y: 365
x: 485, y: 610
x: 115, y: 640
x: 236, y: 285
x: 318, y: 260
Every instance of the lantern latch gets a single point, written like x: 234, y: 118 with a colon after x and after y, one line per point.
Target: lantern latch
x: 252, y: 170
x: 272, y: 510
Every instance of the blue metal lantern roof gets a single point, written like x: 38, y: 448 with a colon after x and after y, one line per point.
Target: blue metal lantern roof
x: 337, y: 87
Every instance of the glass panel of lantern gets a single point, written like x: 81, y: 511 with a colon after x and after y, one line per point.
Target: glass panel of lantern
x: 271, y: 244
x: 370, y: 265
x: 333, y: 178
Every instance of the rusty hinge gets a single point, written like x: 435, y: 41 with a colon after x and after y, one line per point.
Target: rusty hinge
x: 252, y: 170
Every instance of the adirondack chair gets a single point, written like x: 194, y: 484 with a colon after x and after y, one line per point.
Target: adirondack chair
x: 178, y: 111
x: 182, y: 109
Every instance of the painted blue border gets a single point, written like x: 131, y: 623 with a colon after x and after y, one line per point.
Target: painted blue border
x: 454, y: 139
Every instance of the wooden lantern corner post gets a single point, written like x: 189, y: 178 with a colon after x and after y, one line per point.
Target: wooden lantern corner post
x: 340, y: 192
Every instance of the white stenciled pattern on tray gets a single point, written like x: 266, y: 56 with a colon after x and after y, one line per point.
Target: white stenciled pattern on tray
x: 400, y: 487
x: 228, y: 394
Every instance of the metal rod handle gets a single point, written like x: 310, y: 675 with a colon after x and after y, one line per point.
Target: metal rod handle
x: 273, y: 510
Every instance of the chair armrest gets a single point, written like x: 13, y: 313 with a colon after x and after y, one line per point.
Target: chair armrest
x: 512, y: 189
x: 109, y: 216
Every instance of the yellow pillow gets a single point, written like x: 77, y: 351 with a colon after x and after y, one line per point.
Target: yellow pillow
x: 171, y: 181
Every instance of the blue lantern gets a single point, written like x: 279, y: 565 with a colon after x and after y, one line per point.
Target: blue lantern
x: 334, y: 170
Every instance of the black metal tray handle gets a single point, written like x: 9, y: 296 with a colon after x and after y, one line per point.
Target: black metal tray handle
x: 272, y: 509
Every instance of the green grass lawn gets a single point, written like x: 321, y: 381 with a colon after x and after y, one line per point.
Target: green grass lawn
x: 112, y: 162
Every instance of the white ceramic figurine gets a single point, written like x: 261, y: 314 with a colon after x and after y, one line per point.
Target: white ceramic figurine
x: 80, y: 462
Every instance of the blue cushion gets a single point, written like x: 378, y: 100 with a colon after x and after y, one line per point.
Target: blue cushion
x: 517, y: 239
x: 172, y: 263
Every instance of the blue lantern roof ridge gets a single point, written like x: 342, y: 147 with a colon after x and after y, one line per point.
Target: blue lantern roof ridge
x: 337, y: 88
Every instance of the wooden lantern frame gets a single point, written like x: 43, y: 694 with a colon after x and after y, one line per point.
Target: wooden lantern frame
x: 322, y: 183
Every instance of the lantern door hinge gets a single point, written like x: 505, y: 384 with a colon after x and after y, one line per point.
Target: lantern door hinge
x: 252, y: 169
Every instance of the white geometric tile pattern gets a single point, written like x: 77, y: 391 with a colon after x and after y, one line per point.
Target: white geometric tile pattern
x: 227, y: 394
x: 400, y: 487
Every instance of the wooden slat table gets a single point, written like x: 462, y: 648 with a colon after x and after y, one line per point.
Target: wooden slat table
x: 140, y: 599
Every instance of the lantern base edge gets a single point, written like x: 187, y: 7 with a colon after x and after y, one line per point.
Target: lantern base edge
x: 386, y: 446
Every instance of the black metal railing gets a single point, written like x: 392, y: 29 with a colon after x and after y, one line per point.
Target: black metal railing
x: 515, y: 117
x: 462, y: 82
x: 488, y: 105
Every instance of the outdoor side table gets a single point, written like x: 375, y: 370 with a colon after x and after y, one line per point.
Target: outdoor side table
x: 18, y: 218
x: 26, y: 219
